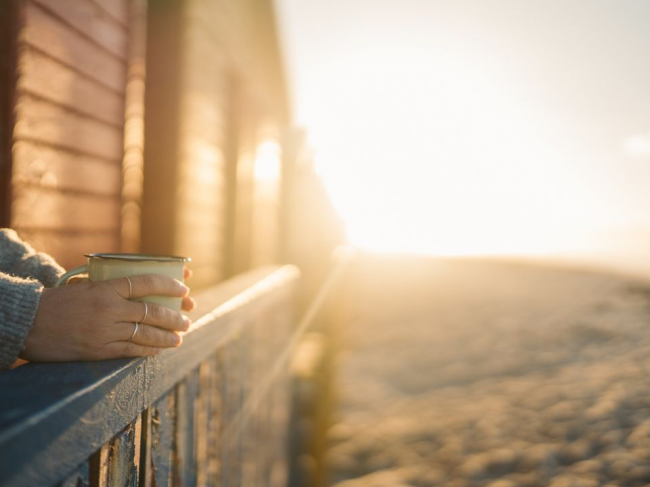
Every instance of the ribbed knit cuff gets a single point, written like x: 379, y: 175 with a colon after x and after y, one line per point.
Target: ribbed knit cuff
x: 19, y: 300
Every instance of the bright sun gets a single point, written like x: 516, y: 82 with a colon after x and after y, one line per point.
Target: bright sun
x: 477, y: 176
x: 461, y: 128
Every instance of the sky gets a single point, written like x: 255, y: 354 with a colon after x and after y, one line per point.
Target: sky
x: 472, y: 127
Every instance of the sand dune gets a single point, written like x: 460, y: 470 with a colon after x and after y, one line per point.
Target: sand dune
x: 468, y: 373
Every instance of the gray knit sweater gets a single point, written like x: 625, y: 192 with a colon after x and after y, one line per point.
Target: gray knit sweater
x: 23, y: 273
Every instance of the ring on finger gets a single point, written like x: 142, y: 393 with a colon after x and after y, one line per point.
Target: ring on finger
x: 146, y: 312
x: 135, y: 330
x: 130, y: 286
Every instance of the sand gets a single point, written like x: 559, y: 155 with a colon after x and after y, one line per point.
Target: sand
x: 471, y: 373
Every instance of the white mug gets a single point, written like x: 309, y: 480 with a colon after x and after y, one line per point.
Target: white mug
x: 102, y: 267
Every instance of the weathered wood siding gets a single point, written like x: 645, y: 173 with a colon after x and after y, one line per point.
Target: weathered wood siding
x: 72, y: 58
x: 214, y: 93
x: 133, y: 163
x: 187, y: 123
x: 203, y: 121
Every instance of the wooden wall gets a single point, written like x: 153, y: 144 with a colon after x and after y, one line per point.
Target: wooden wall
x: 214, y: 93
x: 72, y: 58
x: 133, y: 127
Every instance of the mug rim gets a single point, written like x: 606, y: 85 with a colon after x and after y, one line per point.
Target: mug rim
x: 138, y: 257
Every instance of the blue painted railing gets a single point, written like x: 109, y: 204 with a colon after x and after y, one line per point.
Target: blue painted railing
x: 214, y: 411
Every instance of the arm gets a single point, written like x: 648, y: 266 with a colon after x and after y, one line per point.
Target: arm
x: 19, y: 300
x: 18, y: 258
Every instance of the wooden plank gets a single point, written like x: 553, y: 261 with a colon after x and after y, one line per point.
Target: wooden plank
x: 163, y: 421
x: 79, y: 478
x: 165, y: 30
x: 226, y: 417
x: 264, y: 357
x: 34, y: 208
x: 124, y: 456
x: 146, y: 470
x: 278, y: 473
x: 244, y: 196
x: 38, y: 120
x: 118, y: 10
x: 203, y: 107
x: 44, y: 166
x: 11, y: 21
x: 202, y: 413
x: 230, y: 177
x: 206, y: 250
x: 232, y: 461
x: 69, y: 248
x: 248, y: 427
x: 133, y: 162
x: 92, y: 21
x: 99, y: 467
x: 46, y: 33
x: 192, y: 218
x: 214, y: 420
x: 280, y: 411
x: 43, y: 76
x: 185, y: 462
x: 205, y: 276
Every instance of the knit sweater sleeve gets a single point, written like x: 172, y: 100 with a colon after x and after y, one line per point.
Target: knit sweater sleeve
x: 23, y: 273
x: 19, y: 300
x: 19, y: 259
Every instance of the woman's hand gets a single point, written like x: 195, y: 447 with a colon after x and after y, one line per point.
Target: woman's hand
x: 188, y: 304
x: 95, y: 320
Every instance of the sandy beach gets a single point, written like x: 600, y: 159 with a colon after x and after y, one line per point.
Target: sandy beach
x: 472, y: 373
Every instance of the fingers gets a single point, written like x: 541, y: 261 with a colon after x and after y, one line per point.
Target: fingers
x: 149, y: 285
x: 149, y: 336
x: 188, y: 304
x: 129, y: 349
x: 187, y: 273
x: 156, y: 315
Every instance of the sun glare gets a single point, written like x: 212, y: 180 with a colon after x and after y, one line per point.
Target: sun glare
x: 477, y: 177
x: 440, y: 132
x: 267, y: 161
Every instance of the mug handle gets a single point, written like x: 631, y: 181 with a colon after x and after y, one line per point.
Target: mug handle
x: 73, y: 272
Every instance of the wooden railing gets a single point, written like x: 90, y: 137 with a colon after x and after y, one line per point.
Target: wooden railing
x: 214, y: 411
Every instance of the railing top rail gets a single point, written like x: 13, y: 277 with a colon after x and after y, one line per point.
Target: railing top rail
x: 65, y: 411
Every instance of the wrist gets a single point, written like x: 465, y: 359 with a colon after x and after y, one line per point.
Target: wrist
x: 20, y: 301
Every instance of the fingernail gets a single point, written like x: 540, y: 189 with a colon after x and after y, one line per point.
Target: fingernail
x: 187, y: 322
x: 177, y: 339
x: 185, y: 289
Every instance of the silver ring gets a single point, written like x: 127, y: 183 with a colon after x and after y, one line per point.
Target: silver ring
x: 146, y: 311
x: 130, y: 286
x: 135, y: 330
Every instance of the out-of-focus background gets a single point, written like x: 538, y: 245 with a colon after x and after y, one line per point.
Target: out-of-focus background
x: 463, y: 186
x: 492, y: 160
x: 480, y: 128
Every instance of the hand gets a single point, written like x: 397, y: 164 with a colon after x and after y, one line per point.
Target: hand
x: 94, y: 320
x: 188, y: 304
